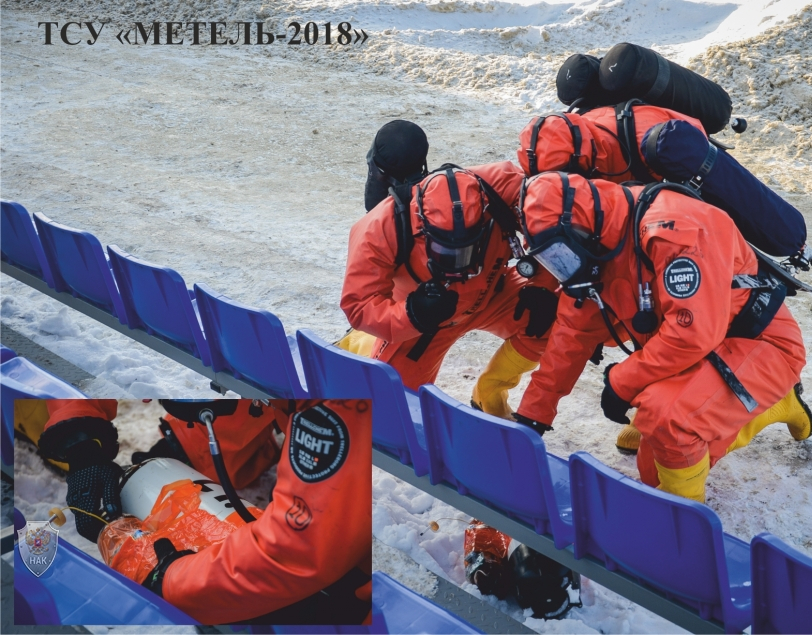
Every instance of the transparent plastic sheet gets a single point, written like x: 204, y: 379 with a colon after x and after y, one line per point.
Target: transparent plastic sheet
x: 126, y: 544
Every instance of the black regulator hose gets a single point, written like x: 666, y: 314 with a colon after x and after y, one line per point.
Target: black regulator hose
x: 207, y: 417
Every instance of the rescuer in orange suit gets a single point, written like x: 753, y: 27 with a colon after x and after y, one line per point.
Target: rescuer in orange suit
x: 454, y: 278
x: 690, y: 307
x: 269, y: 571
x: 549, y: 143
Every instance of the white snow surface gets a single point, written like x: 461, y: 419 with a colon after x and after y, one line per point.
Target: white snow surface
x: 243, y: 168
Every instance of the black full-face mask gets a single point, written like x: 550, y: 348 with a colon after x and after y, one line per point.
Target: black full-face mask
x: 573, y: 256
x: 456, y: 254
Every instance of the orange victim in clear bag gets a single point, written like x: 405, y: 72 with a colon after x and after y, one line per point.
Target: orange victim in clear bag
x: 126, y: 544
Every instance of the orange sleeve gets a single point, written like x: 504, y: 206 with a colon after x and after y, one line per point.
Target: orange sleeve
x: 505, y: 177
x: 573, y: 338
x: 246, y: 442
x: 316, y: 529
x: 63, y: 409
x: 367, y: 296
x: 693, y: 272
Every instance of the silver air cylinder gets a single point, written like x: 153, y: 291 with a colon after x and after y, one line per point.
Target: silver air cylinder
x: 142, y: 484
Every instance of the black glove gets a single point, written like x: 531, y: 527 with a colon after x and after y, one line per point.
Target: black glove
x: 614, y: 408
x: 429, y: 305
x: 93, y: 486
x: 167, y: 554
x: 541, y: 428
x: 542, y: 305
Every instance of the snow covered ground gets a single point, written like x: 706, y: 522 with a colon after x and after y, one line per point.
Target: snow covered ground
x: 243, y: 168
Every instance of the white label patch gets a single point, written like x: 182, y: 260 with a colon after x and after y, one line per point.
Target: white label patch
x: 682, y: 278
x: 319, y: 444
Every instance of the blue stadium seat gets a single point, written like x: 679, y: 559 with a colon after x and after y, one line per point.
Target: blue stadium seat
x: 673, y: 544
x: 397, y: 425
x: 407, y: 612
x: 19, y: 243
x: 395, y: 609
x: 6, y: 354
x: 250, y: 344
x: 76, y: 589
x: 78, y: 265
x: 157, y: 301
x: 22, y: 379
x: 503, y: 463
x: 782, y: 587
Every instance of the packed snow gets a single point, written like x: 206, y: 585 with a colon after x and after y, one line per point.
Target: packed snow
x: 243, y: 167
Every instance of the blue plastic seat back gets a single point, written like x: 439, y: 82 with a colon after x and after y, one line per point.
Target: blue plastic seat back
x: 395, y: 609
x: 250, y: 344
x: 501, y: 462
x: 333, y: 373
x: 407, y: 612
x: 19, y: 243
x: 22, y: 379
x: 782, y: 587
x: 157, y: 301
x: 6, y: 354
x: 76, y: 589
x: 78, y: 265
x: 671, y: 543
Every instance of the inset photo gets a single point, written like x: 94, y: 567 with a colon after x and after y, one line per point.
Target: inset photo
x: 192, y: 511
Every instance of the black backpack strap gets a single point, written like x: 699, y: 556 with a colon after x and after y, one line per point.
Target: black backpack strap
x: 661, y: 83
x: 698, y: 179
x: 402, y: 196
x: 651, y: 148
x: 627, y: 133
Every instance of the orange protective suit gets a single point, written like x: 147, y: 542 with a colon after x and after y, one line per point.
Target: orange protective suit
x: 600, y: 148
x: 375, y: 290
x: 316, y: 530
x: 685, y: 409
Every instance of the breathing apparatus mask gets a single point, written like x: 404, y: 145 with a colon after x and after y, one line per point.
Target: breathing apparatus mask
x: 571, y: 254
x: 455, y: 254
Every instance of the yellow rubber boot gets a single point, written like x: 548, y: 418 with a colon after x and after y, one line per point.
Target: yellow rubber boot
x: 628, y: 441
x: 30, y: 417
x: 790, y: 410
x: 688, y: 482
x: 357, y: 342
x: 502, y: 373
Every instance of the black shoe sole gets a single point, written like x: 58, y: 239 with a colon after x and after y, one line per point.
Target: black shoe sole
x: 799, y: 390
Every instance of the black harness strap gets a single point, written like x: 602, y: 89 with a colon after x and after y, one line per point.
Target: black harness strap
x: 402, y: 196
x: 627, y: 133
x: 732, y: 381
x: 661, y: 83
x: 457, y: 211
x: 420, y: 346
x: 698, y: 179
x: 651, y: 148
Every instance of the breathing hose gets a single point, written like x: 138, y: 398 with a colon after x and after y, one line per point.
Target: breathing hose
x: 207, y: 417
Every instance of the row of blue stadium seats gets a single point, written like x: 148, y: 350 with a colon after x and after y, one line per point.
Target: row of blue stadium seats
x: 580, y: 502
x: 77, y: 589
